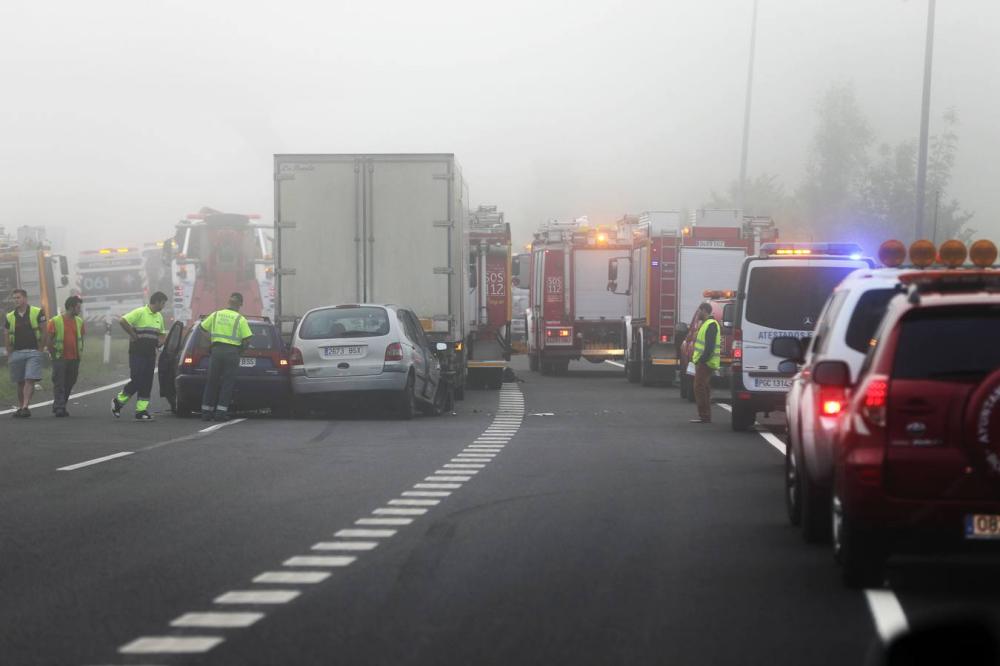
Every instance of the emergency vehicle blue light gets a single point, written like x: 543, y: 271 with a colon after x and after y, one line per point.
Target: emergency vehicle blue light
x: 856, y: 256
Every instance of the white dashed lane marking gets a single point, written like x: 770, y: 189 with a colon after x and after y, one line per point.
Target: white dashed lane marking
x: 400, y: 512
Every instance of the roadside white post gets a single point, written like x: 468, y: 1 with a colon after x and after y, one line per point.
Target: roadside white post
x: 107, y: 340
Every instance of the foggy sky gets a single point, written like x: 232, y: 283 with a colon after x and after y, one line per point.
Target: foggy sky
x: 117, y: 118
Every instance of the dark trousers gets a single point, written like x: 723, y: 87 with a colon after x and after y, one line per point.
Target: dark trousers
x: 141, y: 368
x: 223, y: 365
x: 64, y: 374
x: 703, y: 391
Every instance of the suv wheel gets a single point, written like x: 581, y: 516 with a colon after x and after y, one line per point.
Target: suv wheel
x: 814, y: 505
x: 406, y: 402
x: 743, y: 416
x: 860, y: 556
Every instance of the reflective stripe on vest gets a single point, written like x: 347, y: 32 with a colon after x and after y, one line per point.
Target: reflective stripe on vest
x: 225, y: 331
x: 33, y: 314
x: 715, y: 360
x: 57, y: 322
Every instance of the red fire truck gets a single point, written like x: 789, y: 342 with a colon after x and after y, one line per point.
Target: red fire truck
x: 665, y: 270
x: 571, y: 314
x: 489, y: 297
x: 214, y: 254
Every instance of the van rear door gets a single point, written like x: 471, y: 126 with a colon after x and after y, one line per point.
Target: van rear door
x: 783, y: 297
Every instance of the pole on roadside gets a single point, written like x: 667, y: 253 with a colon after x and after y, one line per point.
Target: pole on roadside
x: 107, y: 341
x: 937, y: 206
x: 746, y: 113
x: 924, y: 121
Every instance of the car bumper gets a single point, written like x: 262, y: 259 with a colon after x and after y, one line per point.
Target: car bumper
x: 386, y: 381
x: 248, y: 393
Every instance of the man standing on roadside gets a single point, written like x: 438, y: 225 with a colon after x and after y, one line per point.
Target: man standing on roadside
x: 26, y: 343
x: 707, y: 360
x: 229, y: 332
x: 146, y: 331
x: 65, y: 336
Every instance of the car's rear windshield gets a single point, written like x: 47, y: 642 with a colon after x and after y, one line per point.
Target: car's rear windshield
x: 263, y: 338
x: 332, y: 323
x: 789, y: 298
x: 955, y: 343
x: 866, y: 317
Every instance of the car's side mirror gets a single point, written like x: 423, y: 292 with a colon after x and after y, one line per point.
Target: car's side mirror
x: 612, y: 271
x: 64, y: 281
x: 788, y: 347
x: 832, y: 373
x: 728, y: 316
x: 788, y: 367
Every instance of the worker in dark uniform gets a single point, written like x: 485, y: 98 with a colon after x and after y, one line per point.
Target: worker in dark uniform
x: 229, y: 333
x: 146, y: 332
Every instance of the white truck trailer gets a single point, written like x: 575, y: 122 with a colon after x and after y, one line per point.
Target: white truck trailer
x: 375, y: 228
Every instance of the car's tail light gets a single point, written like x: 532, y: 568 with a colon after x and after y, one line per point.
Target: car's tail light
x: 189, y: 360
x: 394, y: 352
x: 737, y: 345
x: 664, y: 338
x: 876, y: 400
x: 295, y: 357
x: 832, y: 400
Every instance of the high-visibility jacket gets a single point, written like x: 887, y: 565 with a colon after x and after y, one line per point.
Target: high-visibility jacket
x: 34, y: 312
x: 148, y: 327
x: 227, y: 327
x: 59, y: 326
x: 715, y: 360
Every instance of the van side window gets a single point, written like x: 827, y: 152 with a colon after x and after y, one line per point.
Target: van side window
x: 821, y: 339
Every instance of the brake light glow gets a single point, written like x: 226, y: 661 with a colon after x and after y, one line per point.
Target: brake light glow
x: 295, y: 356
x: 283, y: 362
x: 557, y: 332
x: 188, y: 360
x: 664, y: 338
x: 737, y: 345
x: 831, y: 400
x: 876, y: 399
x: 394, y: 352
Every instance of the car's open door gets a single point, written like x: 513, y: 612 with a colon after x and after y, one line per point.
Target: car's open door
x: 167, y: 365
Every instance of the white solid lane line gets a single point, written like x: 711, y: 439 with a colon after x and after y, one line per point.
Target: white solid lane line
x: 95, y: 461
x: 383, y: 521
x: 319, y: 561
x: 399, y: 512
x: 724, y: 406
x: 257, y: 597
x: 890, y: 620
x: 345, y: 545
x: 774, y: 441
x: 292, y: 577
x: 620, y: 365
x: 216, y: 620
x: 414, y: 502
x: 171, y: 645
x: 364, y: 534
x: 426, y: 493
x: 73, y: 397
x: 217, y: 426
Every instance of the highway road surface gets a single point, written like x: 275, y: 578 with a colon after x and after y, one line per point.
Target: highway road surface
x: 562, y: 520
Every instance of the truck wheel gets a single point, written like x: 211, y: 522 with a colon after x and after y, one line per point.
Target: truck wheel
x: 647, y: 374
x: 633, y: 371
x: 560, y: 367
x: 860, y: 555
x: 406, y: 406
x: 533, y: 361
x: 743, y: 416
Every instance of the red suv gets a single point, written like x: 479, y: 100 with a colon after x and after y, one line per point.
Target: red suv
x: 917, y: 459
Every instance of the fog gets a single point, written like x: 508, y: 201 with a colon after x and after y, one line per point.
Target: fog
x: 118, y: 118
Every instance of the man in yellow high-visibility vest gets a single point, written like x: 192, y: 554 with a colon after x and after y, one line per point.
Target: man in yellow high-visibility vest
x: 228, y: 332
x: 66, y: 333
x: 707, y: 359
x: 146, y: 331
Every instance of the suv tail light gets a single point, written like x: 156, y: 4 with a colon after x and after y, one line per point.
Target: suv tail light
x: 394, y: 352
x: 876, y: 398
x: 737, y: 345
x: 831, y: 400
x: 191, y: 362
x: 295, y: 357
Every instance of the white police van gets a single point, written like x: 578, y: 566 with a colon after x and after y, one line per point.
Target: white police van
x: 781, y: 293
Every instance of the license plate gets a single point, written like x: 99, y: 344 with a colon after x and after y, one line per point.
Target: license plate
x: 248, y: 362
x: 982, y: 526
x: 344, y: 350
x: 772, y: 383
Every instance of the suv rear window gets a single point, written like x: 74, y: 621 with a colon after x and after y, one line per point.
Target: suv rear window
x: 336, y: 323
x: 789, y: 298
x: 867, y: 314
x: 263, y: 337
x: 948, y: 344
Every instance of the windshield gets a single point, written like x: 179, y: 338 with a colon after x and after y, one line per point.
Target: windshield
x: 948, y: 344
x: 366, y: 322
x: 866, y: 317
x: 107, y: 283
x: 789, y: 298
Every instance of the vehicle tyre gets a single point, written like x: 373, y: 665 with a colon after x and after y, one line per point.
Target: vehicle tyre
x: 533, y: 361
x: 442, y: 403
x: 172, y: 400
x: 860, y: 555
x: 793, y: 502
x: 814, y: 506
x: 406, y: 402
x: 743, y: 416
x: 633, y: 371
x: 182, y: 408
x: 647, y: 373
x: 560, y: 367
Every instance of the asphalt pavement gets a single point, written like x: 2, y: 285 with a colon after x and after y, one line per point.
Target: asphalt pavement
x: 562, y: 520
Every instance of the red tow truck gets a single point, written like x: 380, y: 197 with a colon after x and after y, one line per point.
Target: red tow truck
x: 663, y: 271
x: 571, y: 314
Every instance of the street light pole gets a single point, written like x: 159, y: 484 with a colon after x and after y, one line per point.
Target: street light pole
x: 746, y: 111
x: 924, y: 120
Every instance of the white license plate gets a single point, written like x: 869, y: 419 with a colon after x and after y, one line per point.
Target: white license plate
x: 345, y: 350
x: 982, y: 526
x: 248, y: 362
x: 772, y: 383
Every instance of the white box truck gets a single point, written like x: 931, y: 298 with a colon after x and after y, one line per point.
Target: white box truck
x: 375, y: 228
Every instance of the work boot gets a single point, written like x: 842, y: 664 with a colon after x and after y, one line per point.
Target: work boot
x: 222, y: 416
x: 116, y: 407
x: 206, y: 415
x: 143, y: 416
